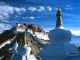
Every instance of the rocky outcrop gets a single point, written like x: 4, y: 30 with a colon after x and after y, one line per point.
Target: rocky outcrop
x: 6, y: 35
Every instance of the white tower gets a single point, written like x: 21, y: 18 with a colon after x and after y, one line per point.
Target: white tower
x: 60, y: 47
x: 22, y: 52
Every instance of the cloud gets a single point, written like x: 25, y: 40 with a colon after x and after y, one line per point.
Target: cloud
x: 49, y: 8
x: 19, y: 10
x: 32, y: 17
x: 29, y: 17
x: 4, y: 27
x: 32, y: 8
x: 6, y: 11
x: 68, y: 7
x: 41, y: 8
x: 75, y: 32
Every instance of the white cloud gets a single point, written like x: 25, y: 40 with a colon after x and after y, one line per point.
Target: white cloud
x: 6, y: 11
x: 4, y: 27
x: 41, y: 8
x: 32, y: 8
x: 68, y: 7
x: 49, y: 8
x: 5, y: 20
x: 30, y: 17
x: 19, y: 10
x: 75, y: 32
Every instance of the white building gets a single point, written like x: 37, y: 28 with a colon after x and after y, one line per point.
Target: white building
x: 20, y: 27
x: 60, y: 47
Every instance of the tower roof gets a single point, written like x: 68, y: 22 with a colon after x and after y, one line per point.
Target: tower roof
x: 59, y: 19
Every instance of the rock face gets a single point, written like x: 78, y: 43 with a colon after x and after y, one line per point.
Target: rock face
x: 6, y: 35
x: 60, y: 47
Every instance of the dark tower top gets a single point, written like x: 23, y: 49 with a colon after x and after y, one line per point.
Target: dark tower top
x: 59, y: 19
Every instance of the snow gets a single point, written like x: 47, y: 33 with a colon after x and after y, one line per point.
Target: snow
x: 42, y: 35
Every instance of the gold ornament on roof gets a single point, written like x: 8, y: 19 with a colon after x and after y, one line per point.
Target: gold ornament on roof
x: 59, y: 18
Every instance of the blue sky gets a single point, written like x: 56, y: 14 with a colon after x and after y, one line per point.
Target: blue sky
x: 40, y: 12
